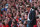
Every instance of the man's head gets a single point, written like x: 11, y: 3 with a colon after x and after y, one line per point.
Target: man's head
x: 28, y: 7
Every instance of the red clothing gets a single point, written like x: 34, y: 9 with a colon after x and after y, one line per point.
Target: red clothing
x: 17, y: 20
x: 11, y: 25
x: 16, y: 25
x: 4, y: 26
x: 7, y: 25
x: 0, y: 26
x: 1, y: 14
x: 35, y: 26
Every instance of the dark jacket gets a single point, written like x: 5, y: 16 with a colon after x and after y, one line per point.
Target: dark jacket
x: 32, y: 17
x: 9, y: 23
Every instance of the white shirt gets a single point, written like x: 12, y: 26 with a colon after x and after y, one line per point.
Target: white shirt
x: 28, y: 17
x: 28, y: 14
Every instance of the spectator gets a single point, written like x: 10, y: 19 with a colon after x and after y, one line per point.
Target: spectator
x: 14, y: 13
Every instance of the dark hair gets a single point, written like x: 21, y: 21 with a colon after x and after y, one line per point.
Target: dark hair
x: 35, y: 8
x: 1, y: 12
x: 39, y: 12
x: 37, y: 17
x: 19, y: 15
x: 14, y: 22
x: 0, y: 20
x: 29, y: 6
x: 3, y: 23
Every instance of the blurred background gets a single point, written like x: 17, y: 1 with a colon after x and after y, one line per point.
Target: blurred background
x: 13, y: 13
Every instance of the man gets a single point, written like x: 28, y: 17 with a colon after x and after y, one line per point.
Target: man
x: 31, y: 16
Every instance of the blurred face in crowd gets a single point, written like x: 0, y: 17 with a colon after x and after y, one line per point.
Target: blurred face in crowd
x: 12, y: 23
x: 8, y: 1
x: 4, y: 13
x: 22, y: 18
x: 6, y: 21
x: 23, y: 6
x: 9, y: 5
x: 13, y: 10
x: 13, y: 20
x: 26, y: 16
x: 12, y: 4
x: 9, y: 14
x: 14, y: 14
x: 16, y: 2
x: 4, y: 2
x: 21, y: 25
x: 17, y: 16
x: 8, y: 10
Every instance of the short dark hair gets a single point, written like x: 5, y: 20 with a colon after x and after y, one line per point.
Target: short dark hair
x: 3, y: 23
x: 29, y: 6
x: 35, y: 8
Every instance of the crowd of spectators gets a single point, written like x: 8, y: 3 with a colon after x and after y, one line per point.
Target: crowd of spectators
x: 13, y: 13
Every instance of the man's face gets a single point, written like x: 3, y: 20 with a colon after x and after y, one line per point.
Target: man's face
x: 28, y: 9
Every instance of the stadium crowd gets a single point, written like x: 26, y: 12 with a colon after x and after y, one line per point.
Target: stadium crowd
x: 14, y: 13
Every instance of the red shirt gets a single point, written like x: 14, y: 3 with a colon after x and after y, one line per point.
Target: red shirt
x: 7, y: 25
x: 4, y: 26
x: 0, y: 26
x: 35, y: 26
x: 17, y: 20
x: 1, y: 14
